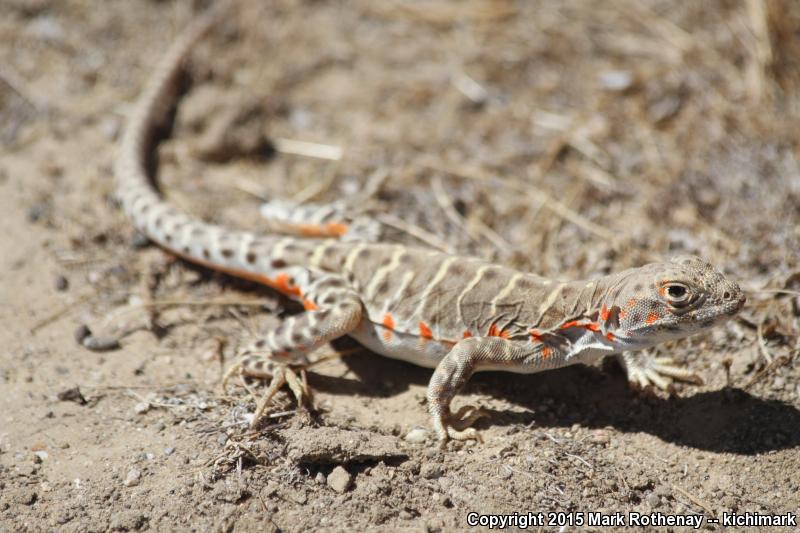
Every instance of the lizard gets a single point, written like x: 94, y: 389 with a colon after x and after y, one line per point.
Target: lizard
x: 456, y: 315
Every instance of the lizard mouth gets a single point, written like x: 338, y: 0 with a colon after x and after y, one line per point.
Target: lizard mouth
x: 726, y: 310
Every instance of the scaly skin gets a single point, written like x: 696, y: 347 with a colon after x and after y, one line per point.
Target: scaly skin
x: 458, y: 315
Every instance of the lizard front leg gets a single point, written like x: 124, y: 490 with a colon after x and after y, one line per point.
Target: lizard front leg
x: 333, y: 310
x: 455, y: 369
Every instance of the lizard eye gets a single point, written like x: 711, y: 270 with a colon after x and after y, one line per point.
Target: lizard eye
x: 677, y: 294
x: 676, y: 291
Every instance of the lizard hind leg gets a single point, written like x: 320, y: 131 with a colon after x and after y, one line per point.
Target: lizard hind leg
x: 282, y: 355
x: 319, y: 220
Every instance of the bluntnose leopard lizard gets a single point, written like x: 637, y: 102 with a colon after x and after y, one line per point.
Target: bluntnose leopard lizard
x: 458, y: 315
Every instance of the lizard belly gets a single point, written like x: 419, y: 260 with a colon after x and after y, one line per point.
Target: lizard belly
x: 398, y: 345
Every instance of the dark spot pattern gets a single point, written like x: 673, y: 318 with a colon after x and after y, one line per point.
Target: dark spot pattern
x: 383, y: 287
x: 456, y: 269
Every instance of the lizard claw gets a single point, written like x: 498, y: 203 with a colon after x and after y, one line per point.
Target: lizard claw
x: 278, y: 374
x: 660, y: 372
x: 465, y: 417
x: 457, y: 426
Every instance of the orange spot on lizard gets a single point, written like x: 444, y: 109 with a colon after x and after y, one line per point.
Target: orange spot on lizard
x: 535, y: 336
x: 335, y: 229
x: 632, y: 302
x: 592, y: 326
x: 652, y: 317
x: 388, y: 323
x: 281, y: 282
x: 424, y: 331
x: 467, y: 334
x: 604, y: 313
x: 494, y: 331
x: 309, y: 305
x: 546, y: 352
x: 331, y: 229
x: 610, y: 336
x: 570, y: 324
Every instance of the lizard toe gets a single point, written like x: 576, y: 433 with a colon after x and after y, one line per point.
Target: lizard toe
x: 466, y: 416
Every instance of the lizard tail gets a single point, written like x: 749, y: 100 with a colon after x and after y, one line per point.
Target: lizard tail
x: 184, y: 235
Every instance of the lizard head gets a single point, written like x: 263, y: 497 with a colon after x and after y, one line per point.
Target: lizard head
x: 672, y: 300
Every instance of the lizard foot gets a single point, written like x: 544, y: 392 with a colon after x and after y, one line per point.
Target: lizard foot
x: 278, y: 374
x: 644, y: 371
x: 457, y: 426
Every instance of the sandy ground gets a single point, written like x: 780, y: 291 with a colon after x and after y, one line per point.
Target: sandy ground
x: 567, y: 138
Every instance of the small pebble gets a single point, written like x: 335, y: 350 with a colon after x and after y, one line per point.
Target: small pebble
x: 35, y: 213
x: 133, y: 477
x: 653, y: 500
x: 417, y: 435
x: 320, y: 478
x: 141, y: 408
x: 81, y: 333
x: 616, y: 80
x: 339, y: 479
x: 110, y: 126
x: 100, y: 344
x: 600, y: 437
x: 46, y: 28
x: 27, y: 470
x: 26, y: 497
x: 665, y: 108
x: 139, y: 241
x: 169, y: 450
x: 431, y: 471
x: 61, y: 283
x: 72, y: 395
x: 41, y: 455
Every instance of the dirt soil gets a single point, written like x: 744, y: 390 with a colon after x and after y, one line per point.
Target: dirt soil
x: 571, y: 139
